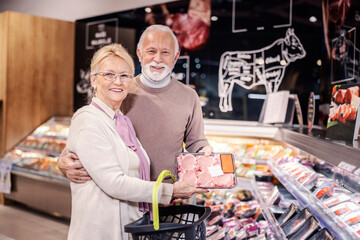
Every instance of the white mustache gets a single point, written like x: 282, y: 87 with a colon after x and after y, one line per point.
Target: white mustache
x: 154, y: 64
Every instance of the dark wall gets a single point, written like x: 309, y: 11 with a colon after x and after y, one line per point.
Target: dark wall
x: 247, y: 26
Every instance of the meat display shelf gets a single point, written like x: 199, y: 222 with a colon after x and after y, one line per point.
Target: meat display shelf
x: 250, y: 184
x: 327, y: 219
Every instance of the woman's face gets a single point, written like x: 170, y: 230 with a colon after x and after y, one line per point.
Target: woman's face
x: 114, y: 92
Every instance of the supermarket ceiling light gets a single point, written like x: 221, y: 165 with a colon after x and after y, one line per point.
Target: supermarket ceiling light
x: 214, y: 18
x: 312, y: 19
x: 148, y: 10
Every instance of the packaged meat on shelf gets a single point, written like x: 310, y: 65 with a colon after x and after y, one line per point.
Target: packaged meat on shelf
x: 38, y: 152
x: 298, y: 195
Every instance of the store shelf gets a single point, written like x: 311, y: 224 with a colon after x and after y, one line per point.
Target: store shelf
x: 326, y: 218
x: 40, y: 176
x: 268, y: 215
x: 331, y: 152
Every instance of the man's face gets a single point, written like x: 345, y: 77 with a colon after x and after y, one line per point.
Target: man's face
x: 158, y: 55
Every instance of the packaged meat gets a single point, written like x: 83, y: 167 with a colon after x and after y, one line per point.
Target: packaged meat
x: 241, y: 234
x: 344, y: 207
x: 356, y: 230
x: 323, y: 234
x: 274, y: 197
x: 214, y: 171
x: 336, y: 199
x: 309, y: 227
x: 276, y: 210
x: 310, y: 182
x: 219, y: 235
x: 289, y: 213
x: 351, y: 218
x: 294, y: 224
x: 324, y: 191
x: 211, y: 230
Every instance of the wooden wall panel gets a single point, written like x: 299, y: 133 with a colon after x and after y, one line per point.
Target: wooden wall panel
x: 40, y: 73
x: 3, y: 71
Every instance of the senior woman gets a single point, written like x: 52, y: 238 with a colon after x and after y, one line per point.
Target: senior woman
x: 106, y: 143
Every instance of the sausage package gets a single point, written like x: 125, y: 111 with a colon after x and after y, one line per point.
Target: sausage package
x: 214, y: 171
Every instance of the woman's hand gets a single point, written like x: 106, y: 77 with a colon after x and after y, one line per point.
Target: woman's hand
x: 185, y: 190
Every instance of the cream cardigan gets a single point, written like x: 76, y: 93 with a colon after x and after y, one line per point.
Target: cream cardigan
x: 100, y: 208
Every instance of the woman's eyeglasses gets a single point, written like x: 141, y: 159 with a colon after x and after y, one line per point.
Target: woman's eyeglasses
x: 110, y: 76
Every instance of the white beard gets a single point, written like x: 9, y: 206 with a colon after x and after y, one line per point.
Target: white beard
x: 156, y: 76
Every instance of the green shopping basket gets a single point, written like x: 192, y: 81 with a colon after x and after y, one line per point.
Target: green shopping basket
x: 176, y: 222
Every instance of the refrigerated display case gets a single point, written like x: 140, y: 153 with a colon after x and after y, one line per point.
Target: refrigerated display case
x: 337, y: 162
x: 36, y: 179
x: 38, y: 183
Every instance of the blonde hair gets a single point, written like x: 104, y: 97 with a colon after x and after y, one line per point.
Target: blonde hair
x: 114, y: 49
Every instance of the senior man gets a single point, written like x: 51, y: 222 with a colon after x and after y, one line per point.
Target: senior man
x: 165, y: 113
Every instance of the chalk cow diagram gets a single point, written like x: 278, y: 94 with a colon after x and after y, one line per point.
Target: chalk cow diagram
x: 265, y: 66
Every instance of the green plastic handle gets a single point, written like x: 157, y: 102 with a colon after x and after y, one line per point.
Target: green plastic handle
x: 155, y: 206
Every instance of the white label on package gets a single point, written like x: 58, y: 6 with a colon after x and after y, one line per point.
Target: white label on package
x: 216, y: 171
x: 346, y: 166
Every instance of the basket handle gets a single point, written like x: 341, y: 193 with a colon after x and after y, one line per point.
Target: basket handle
x: 155, y: 206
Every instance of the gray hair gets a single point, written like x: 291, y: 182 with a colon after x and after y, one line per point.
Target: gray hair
x: 157, y: 27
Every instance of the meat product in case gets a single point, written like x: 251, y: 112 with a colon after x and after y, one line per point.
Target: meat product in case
x: 323, y: 234
x: 306, y: 230
x: 296, y: 222
x: 214, y: 171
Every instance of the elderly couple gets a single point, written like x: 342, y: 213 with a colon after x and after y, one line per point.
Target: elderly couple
x: 109, y: 168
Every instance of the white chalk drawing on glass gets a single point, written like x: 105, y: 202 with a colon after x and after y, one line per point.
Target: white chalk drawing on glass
x: 181, y: 70
x: 345, y: 57
x: 265, y: 66
x: 267, y: 16
x: 84, y: 86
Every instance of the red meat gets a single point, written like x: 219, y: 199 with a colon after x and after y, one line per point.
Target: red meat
x: 191, y: 32
x: 349, y: 94
x: 339, y: 96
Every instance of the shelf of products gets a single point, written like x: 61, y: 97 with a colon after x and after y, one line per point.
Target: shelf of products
x: 36, y: 180
x: 278, y: 192
x: 38, y: 152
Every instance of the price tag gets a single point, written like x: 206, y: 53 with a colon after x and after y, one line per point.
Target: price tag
x: 357, y: 172
x: 346, y: 166
x: 216, y: 171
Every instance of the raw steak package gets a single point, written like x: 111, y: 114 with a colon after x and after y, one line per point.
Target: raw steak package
x: 323, y: 234
x: 214, y: 171
x: 296, y: 222
x: 308, y: 228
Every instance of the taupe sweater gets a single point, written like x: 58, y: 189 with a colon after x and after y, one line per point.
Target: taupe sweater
x: 164, y: 119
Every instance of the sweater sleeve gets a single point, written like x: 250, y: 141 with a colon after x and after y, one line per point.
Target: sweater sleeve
x: 195, y: 134
x: 98, y: 156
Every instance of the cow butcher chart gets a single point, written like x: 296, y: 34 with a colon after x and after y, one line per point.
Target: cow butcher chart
x: 265, y: 66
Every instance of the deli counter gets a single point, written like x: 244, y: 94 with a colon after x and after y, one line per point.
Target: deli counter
x: 38, y: 183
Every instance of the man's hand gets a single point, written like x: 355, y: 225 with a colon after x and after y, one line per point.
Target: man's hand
x: 207, y: 150
x: 73, y: 169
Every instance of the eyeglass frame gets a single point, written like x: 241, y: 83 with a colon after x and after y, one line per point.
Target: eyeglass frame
x: 131, y: 76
